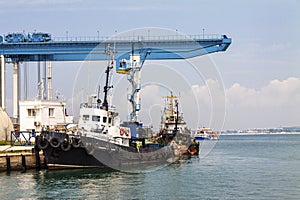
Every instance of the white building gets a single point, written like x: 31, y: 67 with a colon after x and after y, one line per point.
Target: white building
x: 36, y: 114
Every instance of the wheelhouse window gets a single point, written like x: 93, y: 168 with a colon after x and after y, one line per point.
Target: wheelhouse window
x: 51, y: 112
x: 96, y: 118
x: 104, y: 119
x: 109, y: 120
x: 31, y: 112
x: 85, y: 117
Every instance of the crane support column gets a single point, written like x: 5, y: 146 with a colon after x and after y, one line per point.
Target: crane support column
x: 44, y: 82
x: 133, y: 71
x: 16, y: 91
x: 49, y: 78
x: 135, y: 85
x: 2, y: 83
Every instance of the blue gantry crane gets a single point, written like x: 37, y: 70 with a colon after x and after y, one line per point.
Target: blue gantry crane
x: 130, y: 54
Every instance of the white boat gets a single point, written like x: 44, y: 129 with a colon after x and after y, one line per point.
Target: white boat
x: 206, y: 134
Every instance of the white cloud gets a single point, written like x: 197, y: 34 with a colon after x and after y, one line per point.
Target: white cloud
x: 275, y: 104
x: 210, y: 103
x: 209, y: 92
x: 272, y: 105
x: 276, y: 93
x: 241, y: 96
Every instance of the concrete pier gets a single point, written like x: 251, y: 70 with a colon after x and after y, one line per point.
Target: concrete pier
x: 19, y: 158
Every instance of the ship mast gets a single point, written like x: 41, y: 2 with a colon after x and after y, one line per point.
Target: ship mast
x: 176, y: 119
x: 170, y: 104
x: 110, y: 61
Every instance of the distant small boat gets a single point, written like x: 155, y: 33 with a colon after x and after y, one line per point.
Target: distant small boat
x: 206, y: 134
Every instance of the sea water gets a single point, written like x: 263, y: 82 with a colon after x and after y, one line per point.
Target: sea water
x: 238, y: 167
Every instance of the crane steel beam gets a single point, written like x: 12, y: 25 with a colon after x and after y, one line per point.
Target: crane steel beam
x: 160, y: 48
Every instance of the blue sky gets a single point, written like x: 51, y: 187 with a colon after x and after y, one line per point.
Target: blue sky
x: 262, y: 63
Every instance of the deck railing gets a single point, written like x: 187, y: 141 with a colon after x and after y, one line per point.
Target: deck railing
x: 22, y: 137
x: 137, y: 38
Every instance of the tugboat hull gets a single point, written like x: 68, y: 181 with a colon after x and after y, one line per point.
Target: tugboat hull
x: 94, y: 153
x: 55, y: 158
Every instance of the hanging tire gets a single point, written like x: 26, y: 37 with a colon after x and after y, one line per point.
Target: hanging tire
x: 42, y: 143
x: 65, y: 145
x: 76, y: 142
x: 54, y: 142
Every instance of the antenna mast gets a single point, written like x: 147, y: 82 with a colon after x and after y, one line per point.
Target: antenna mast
x: 110, y: 61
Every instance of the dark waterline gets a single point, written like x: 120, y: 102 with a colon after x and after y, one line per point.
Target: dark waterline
x: 238, y: 167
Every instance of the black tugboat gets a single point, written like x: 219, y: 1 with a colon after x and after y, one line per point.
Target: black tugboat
x: 102, y: 141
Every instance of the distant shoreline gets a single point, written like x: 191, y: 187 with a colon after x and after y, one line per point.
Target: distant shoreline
x: 262, y: 133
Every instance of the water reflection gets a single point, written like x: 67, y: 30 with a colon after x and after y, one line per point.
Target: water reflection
x: 103, y: 183
x: 87, y: 183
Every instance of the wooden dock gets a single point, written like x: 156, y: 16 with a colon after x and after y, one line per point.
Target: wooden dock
x: 20, y: 158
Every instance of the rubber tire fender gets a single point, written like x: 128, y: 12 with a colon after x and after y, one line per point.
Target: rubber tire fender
x: 76, y: 142
x: 65, y: 145
x: 42, y: 143
x: 54, y: 142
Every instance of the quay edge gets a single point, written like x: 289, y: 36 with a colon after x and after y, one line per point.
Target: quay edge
x: 20, y: 158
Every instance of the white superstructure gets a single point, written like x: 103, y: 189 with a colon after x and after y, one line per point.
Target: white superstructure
x: 95, y: 121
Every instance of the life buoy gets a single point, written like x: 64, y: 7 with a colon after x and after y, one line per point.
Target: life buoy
x: 122, y: 131
x: 127, y: 132
x: 54, y: 142
x: 65, y: 145
x: 76, y: 142
x: 42, y: 143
